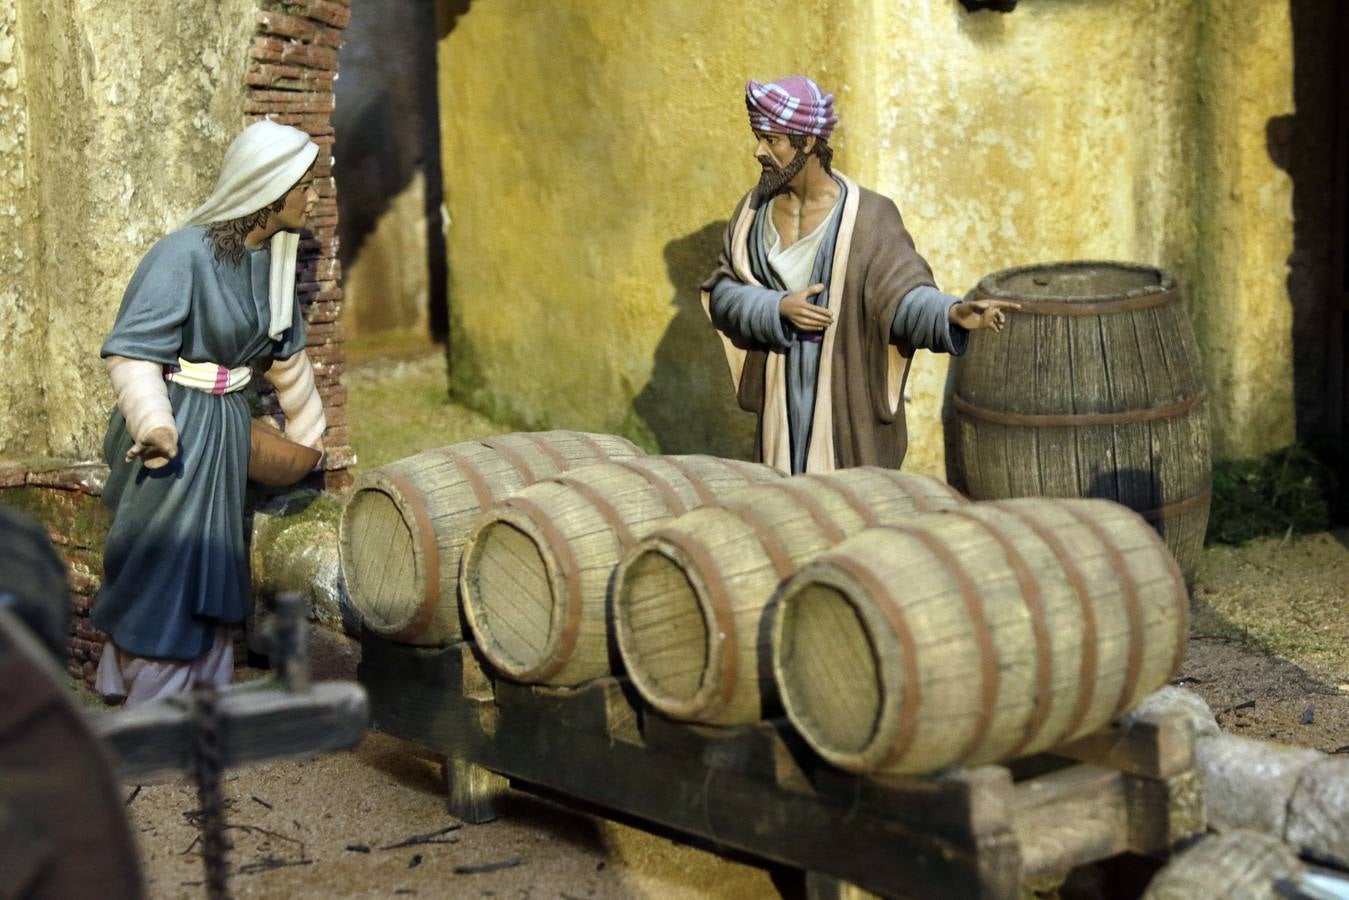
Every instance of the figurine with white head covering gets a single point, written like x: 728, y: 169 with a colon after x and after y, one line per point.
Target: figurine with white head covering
x: 207, y: 302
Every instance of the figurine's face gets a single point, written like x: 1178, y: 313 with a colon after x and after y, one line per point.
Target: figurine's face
x: 299, y: 204
x: 773, y: 150
x: 781, y: 162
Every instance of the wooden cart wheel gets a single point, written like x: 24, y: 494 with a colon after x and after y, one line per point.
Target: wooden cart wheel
x: 66, y: 834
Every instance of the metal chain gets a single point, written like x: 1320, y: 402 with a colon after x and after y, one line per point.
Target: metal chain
x: 206, y: 744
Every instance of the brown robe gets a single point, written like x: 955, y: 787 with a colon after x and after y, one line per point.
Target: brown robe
x: 875, y: 265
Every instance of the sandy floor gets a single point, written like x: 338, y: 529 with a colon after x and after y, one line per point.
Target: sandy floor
x: 332, y: 822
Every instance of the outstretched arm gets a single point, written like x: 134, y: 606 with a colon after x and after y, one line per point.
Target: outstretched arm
x: 928, y: 319
x: 923, y: 322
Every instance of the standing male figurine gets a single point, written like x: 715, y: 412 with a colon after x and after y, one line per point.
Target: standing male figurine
x: 821, y: 299
x: 205, y: 303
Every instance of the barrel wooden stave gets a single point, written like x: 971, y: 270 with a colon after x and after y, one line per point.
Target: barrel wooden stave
x: 966, y: 654
x: 403, y: 528
x: 691, y: 601
x: 577, y: 526
x: 1118, y: 362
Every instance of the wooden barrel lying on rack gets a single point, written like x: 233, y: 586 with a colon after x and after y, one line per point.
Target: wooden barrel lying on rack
x: 1236, y: 863
x: 1095, y: 389
x: 402, y: 531
x: 537, y: 566
x: 977, y: 634
x: 690, y: 599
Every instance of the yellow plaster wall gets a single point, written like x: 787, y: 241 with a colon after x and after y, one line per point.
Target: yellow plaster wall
x: 22, y: 325
x: 590, y: 154
x: 123, y: 109
x: 1244, y: 224
x: 590, y: 151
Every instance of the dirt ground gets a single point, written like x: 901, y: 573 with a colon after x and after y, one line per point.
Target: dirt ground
x: 1269, y: 647
x: 332, y: 823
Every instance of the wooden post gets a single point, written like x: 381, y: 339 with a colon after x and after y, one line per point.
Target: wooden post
x: 472, y: 792
x: 826, y: 887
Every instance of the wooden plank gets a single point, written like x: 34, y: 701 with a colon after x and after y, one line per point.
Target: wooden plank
x: 1162, y: 813
x: 824, y: 887
x: 742, y: 749
x: 1159, y: 747
x: 473, y: 793
x: 967, y: 832
x: 1069, y: 818
x: 417, y: 693
x: 1056, y: 460
x: 848, y: 841
x: 156, y: 738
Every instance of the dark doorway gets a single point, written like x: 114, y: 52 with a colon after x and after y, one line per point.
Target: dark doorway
x: 1312, y: 146
x: 387, y: 135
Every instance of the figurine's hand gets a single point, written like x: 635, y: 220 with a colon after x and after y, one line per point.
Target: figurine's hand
x: 156, y: 447
x: 975, y: 314
x: 797, y: 309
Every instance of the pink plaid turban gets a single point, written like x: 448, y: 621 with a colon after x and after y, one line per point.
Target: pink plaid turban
x: 792, y: 105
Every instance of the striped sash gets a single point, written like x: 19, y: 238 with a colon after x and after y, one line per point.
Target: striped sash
x: 208, y: 377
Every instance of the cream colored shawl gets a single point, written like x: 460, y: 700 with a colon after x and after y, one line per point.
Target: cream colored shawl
x: 261, y: 165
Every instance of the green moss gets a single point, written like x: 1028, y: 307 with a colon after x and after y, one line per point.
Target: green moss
x: 1286, y: 491
x: 397, y: 409
x: 81, y: 520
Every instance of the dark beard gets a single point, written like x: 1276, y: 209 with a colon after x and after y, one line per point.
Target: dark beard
x: 774, y: 180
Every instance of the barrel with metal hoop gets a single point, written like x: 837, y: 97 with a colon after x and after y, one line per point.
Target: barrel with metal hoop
x: 1095, y: 389
x: 403, y: 528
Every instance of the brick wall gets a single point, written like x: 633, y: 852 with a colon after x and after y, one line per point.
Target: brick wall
x: 292, y: 66
x: 67, y: 499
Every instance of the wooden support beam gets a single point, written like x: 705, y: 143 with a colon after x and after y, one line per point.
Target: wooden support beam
x: 966, y: 832
x: 257, y: 725
x: 1157, y: 746
x: 1069, y: 817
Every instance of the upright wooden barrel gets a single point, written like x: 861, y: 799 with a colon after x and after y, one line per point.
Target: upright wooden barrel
x: 690, y: 600
x: 402, y: 530
x: 1094, y: 389
x: 977, y: 634
x: 537, y: 566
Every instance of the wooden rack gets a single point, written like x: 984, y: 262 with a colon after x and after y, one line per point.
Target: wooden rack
x: 982, y: 832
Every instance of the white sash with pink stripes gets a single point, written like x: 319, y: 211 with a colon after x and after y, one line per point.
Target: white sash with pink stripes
x: 208, y: 377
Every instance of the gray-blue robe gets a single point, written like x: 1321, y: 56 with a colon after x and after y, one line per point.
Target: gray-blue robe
x: 176, y: 561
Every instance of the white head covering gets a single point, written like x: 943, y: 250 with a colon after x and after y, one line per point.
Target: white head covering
x: 261, y: 165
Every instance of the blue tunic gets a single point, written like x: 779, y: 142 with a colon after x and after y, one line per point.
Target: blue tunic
x: 176, y: 561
